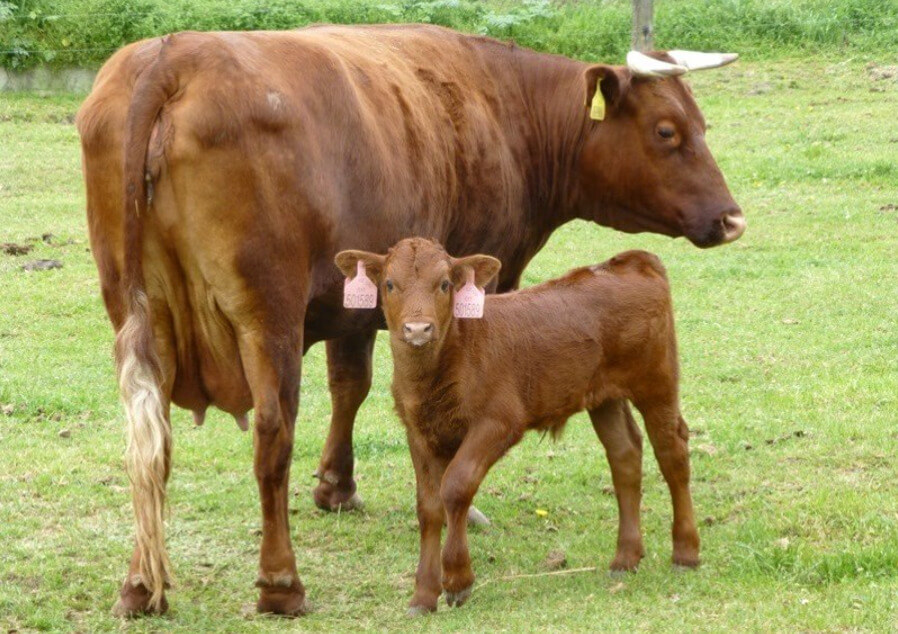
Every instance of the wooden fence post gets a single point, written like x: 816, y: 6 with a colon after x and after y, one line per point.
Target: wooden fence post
x: 643, y: 31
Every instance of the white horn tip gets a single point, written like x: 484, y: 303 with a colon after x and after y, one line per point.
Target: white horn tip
x: 694, y: 60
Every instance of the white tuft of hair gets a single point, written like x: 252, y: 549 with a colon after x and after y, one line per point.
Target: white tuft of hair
x: 149, y: 440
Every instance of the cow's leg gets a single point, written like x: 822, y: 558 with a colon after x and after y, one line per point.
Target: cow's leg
x: 429, y: 471
x: 669, y: 437
x: 273, y: 373
x: 485, y: 443
x: 622, y: 440
x: 349, y: 379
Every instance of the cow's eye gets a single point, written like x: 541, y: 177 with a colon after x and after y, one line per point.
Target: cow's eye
x: 445, y: 286
x: 666, y: 132
x: 389, y: 285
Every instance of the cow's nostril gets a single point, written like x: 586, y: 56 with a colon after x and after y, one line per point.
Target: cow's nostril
x: 428, y: 327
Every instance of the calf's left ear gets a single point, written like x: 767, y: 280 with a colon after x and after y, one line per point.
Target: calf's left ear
x: 484, y: 268
x: 347, y: 262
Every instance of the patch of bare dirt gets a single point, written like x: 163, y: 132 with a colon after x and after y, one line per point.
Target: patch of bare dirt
x: 11, y: 248
x: 42, y: 265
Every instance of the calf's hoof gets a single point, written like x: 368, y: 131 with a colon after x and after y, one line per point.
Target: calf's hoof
x: 626, y: 561
x: 624, y: 567
x: 457, y: 599
x: 416, y: 611
x: 284, y: 597
x: 134, y: 601
x: 685, y: 552
x: 686, y: 562
x: 331, y: 495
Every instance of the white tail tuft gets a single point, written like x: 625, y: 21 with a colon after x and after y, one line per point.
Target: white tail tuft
x: 149, y: 442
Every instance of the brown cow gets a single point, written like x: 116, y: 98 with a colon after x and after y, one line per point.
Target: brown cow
x: 225, y: 170
x: 468, y: 389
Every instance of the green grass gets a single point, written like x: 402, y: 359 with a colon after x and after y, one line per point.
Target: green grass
x: 85, y: 32
x: 789, y: 350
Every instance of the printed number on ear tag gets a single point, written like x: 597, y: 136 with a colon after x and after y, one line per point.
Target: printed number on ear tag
x: 469, y: 300
x: 359, y: 292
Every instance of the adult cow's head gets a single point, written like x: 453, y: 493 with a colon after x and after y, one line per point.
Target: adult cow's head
x: 645, y: 165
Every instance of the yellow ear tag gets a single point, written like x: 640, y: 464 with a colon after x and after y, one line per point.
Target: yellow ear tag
x: 597, y: 110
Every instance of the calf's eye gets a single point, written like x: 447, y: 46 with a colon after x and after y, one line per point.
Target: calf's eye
x: 444, y: 286
x: 389, y: 285
x: 666, y: 132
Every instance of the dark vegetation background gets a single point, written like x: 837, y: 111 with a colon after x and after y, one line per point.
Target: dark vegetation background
x: 85, y: 32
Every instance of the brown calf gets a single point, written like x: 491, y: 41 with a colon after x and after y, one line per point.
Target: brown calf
x: 468, y: 389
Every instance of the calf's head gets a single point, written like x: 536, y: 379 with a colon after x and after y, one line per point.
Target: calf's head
x: 644, y: 165
x: 417, y: 280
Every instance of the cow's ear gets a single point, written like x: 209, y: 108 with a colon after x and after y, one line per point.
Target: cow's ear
x: 348, y: 261
x: 484, y: 267
x: 612, y: 81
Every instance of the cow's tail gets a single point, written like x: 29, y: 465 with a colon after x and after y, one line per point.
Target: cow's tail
x: 140, y: 375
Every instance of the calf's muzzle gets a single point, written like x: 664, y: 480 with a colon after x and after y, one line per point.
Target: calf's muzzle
x: 417, y: 333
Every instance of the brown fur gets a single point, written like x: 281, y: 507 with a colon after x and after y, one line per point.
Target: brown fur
x: 224, y: 170
x: 582, y: 342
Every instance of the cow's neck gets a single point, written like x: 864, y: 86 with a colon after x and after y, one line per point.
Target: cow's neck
x: 547, y: 120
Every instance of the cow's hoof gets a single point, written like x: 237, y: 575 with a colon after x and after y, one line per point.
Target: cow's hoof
x: 476, y: 518
x: 134, y: 601
x: 336, y: 497
x: 419, y: 610
x: 457, y: 599
x: 282, y: 600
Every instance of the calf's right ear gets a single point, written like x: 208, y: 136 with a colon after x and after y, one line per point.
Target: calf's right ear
x: 347, y: 262
x: 484, y: 268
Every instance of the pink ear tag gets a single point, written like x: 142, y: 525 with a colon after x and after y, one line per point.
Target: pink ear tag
x: 468, y: 300
x: 359, y: 292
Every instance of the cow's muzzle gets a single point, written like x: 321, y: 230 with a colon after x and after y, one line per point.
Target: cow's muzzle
x: 727, y: 227
x: 733, y: 226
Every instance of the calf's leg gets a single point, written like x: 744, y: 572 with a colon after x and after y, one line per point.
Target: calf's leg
x: 622, y: 440
x: 273, y: 373
x: 429, y: 471
x: 349, y: 379
x: 669, y: 437
x: 486, y: 442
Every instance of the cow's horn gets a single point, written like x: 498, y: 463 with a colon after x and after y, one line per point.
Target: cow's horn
x: 645, y: 66
x: 699, y: 61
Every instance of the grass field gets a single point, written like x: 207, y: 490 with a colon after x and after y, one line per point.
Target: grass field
x: 789, y: 349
